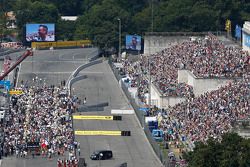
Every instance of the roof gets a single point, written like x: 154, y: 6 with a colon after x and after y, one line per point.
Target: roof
x: 69, y: 18
x: 10, y: 15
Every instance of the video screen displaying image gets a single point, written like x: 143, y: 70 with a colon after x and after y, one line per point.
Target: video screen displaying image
x: 40, y: 32
x: 133, y: 42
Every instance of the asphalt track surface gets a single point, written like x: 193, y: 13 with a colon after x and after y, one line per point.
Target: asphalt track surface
x: 100, y: 86
x: 51, y: 67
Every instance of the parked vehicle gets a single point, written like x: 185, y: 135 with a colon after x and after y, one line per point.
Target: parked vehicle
x: 158, y: 135
x: 101, y: 155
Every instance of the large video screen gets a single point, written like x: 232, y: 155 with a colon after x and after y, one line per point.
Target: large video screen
x: 133, y: 42
x: 40, y: 32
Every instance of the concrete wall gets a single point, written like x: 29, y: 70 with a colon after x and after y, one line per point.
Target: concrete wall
x: 201, y: 85
x: 157, y: 43
x: 163, y: 101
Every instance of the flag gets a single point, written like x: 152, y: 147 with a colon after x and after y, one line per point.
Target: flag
x: 228, y: 25
x: 237, y: 31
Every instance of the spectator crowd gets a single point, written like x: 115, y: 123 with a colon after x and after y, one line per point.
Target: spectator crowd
x: 11, y: 45
x: 39, y: 122
x: 204, y: 57
x: 211, y: 114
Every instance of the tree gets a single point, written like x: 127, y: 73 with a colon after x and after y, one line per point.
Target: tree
x: 202, y: 18
x: 98, y: 18
x: 173, y: 15
x: 34, y: 12
x: 232, y: 151
x: 68, y: 7
x: 101, y: 25
x: 65, y: 30
x: 142, y: 21
x: 88, y: 4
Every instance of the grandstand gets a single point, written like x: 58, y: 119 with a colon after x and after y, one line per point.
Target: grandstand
x: 206, y: 59
x: 202, y: 115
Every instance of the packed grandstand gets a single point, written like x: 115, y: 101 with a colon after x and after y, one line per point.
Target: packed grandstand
x: 208, y: 115
x: 39, y: 122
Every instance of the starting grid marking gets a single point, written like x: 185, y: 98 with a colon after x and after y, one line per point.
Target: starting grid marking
x: 97, y: 117
x: 102, y: 133
x: 98, y: 133
x: 89, y: 117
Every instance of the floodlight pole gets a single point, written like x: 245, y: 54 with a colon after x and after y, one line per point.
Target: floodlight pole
x: 150, y: 82
x: 152, y: 15
x: 120, y: 38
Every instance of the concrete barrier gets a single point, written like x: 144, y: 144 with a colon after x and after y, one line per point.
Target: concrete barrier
x: 161, y: 101
x: 201, y: 85
x: 118, y: 111
x: 72, y: 79
x: 80, y: 68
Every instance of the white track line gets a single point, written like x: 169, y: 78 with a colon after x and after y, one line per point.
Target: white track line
x: 49, y: 72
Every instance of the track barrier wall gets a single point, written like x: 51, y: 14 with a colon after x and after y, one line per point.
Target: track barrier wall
x: 141, y: 118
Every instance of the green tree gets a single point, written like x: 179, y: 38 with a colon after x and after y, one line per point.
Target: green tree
x: 88, y: 4
x: 65, y: 30
x: 101, y: 25
x: 173, y: 15
x: 68, y: 7
x: 5, y: 6
x: 232, y: 151
x: 34, y: 12
x: 141, y: 22
x: 202, y: 18
x: 98, y: 18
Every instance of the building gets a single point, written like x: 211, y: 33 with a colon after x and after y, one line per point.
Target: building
x: 69, y: 18
x: 246, y: 36
x: 11, y: 20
